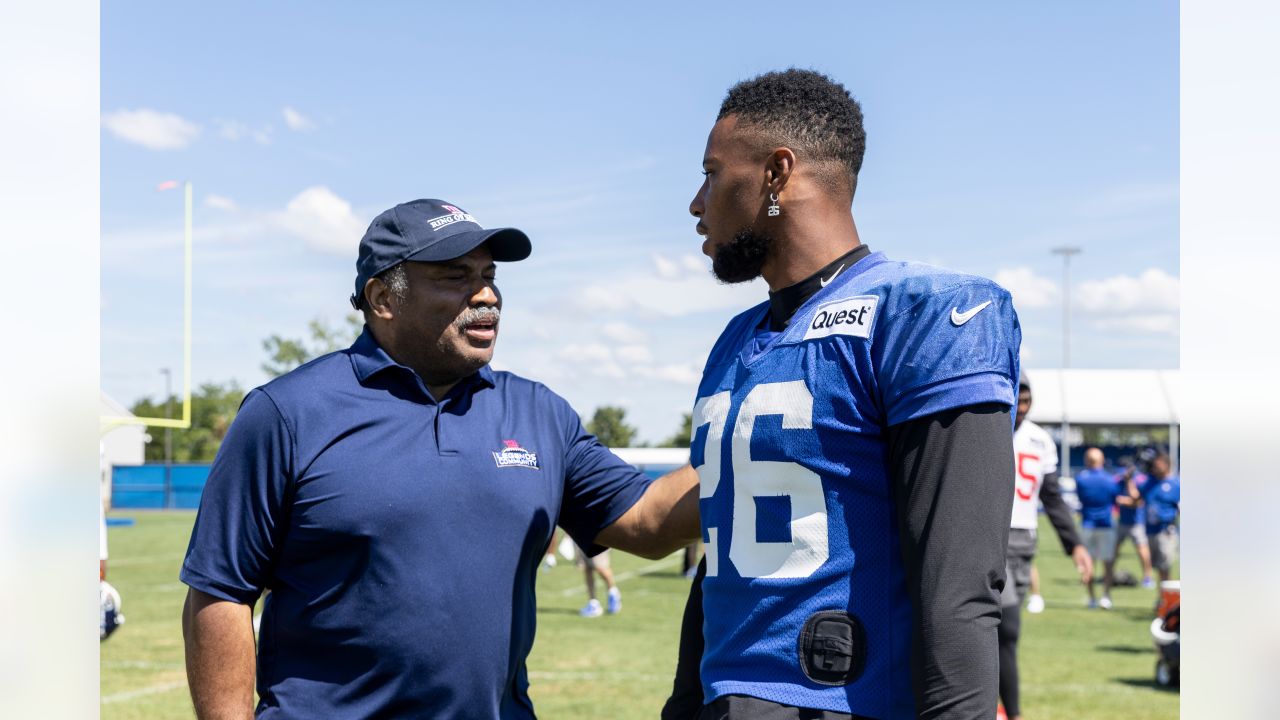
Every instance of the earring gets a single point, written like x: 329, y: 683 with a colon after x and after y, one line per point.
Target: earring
x: 774, y: 210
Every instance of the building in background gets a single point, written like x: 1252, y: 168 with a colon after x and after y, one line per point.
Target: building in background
x: 119, y: 444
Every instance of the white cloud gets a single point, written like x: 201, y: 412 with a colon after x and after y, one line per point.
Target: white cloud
x: 1029, y: 290
x: 296, y: 120
x: 1146, y: 303
x: 1156, y: 324
x: 151, y: 128
x: 652, y: 295
x: 1152, y: 290
x: 624, y: 362
x: 634, y: 354
x: 623, y: 333
x: 696, y: 263
x: 586, y: 353
x: 324, y: 220
x: 219, y: 202
x: 679, y: 374
x: 686, y: 265
x: 234, y: 130
x: 592, y: 359
x: 230, y: 129
x: 667, y: 269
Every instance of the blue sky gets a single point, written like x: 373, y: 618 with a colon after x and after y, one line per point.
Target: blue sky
x: 995, y: 132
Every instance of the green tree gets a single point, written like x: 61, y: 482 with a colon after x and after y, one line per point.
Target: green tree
x: 609, y: 425
x: 213, y: 407
x: 683, y: 436
x: 285, y: 354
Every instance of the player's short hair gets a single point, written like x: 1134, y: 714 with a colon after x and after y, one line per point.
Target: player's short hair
x: 808, y: 112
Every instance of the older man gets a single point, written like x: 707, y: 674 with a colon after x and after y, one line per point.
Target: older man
x: 396, y: 498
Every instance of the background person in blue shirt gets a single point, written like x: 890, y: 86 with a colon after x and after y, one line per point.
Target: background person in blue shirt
x: 1129, y: 526
x: 396, y: 498
x: 1096, y: 489
x: 1161, y: 496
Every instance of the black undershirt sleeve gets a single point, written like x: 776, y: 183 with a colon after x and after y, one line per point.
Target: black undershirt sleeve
x: 950, y: 475
x: 686, y: 692
x: 1059, y: 512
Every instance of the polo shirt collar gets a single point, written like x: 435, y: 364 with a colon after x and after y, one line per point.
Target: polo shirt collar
x: 368, y: 359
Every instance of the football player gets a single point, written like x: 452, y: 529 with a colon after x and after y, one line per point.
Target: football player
x: 1035, y: 478
x: 852, y: 434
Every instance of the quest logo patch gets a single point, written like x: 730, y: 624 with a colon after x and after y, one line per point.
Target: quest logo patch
x: 515, y: 456
x: 851, y: 316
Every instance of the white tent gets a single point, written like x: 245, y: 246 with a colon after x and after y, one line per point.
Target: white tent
x: 1106, y: 397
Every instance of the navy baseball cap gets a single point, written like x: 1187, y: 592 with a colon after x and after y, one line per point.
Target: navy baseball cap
x: 429, y: 231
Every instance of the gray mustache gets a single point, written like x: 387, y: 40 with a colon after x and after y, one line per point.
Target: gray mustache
x: 470, y: 316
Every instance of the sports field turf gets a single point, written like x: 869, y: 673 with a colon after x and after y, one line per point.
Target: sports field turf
x: 1076, y: 663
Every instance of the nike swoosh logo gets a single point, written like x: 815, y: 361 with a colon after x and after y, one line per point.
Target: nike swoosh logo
x: 959, y: 318
x: 833, y: 276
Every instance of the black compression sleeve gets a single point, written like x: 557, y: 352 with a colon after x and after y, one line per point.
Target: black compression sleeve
x: 686, y: 692
x: 950, y: 475
x: 1059, y: 512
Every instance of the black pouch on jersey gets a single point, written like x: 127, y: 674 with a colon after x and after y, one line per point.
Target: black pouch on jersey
x: 833, y: 648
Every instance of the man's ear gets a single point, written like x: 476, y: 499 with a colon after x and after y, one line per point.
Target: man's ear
x: 379, y: 300
x: 778, y: 168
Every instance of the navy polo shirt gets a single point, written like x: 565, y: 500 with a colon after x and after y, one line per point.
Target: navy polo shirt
x: 399, y: 536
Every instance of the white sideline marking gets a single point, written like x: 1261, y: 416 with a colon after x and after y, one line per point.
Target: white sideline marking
x: 644, y: 570
x: 141, y: 692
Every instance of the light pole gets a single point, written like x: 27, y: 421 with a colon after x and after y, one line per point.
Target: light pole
x: 1066, y: 252
x: 168, y: 434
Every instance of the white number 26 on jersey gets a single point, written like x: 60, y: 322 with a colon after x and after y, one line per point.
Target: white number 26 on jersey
x: 807, y: 549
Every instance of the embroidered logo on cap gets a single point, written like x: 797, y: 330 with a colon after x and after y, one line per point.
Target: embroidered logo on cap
x: 455, y: 215
x: 515, y: 456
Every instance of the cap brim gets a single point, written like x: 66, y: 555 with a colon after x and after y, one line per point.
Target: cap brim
x: 506, y: 245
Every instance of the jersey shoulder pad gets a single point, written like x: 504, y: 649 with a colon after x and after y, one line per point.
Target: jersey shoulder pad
x: 908, y: 287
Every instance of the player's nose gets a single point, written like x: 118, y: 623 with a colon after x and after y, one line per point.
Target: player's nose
x: 698, y: 205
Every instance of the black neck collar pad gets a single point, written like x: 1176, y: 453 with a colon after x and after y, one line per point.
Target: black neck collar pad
x: 784, y: 303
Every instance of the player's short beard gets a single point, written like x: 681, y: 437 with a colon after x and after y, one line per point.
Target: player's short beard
x: 742, y: 258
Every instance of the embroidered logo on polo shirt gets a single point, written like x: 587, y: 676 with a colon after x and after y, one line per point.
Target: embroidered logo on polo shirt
x: 515, y: 456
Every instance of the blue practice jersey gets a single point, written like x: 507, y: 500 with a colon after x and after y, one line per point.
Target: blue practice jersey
x: 797, y: 512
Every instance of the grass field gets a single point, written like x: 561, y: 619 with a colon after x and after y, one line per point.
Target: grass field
x: 1076, y: 663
